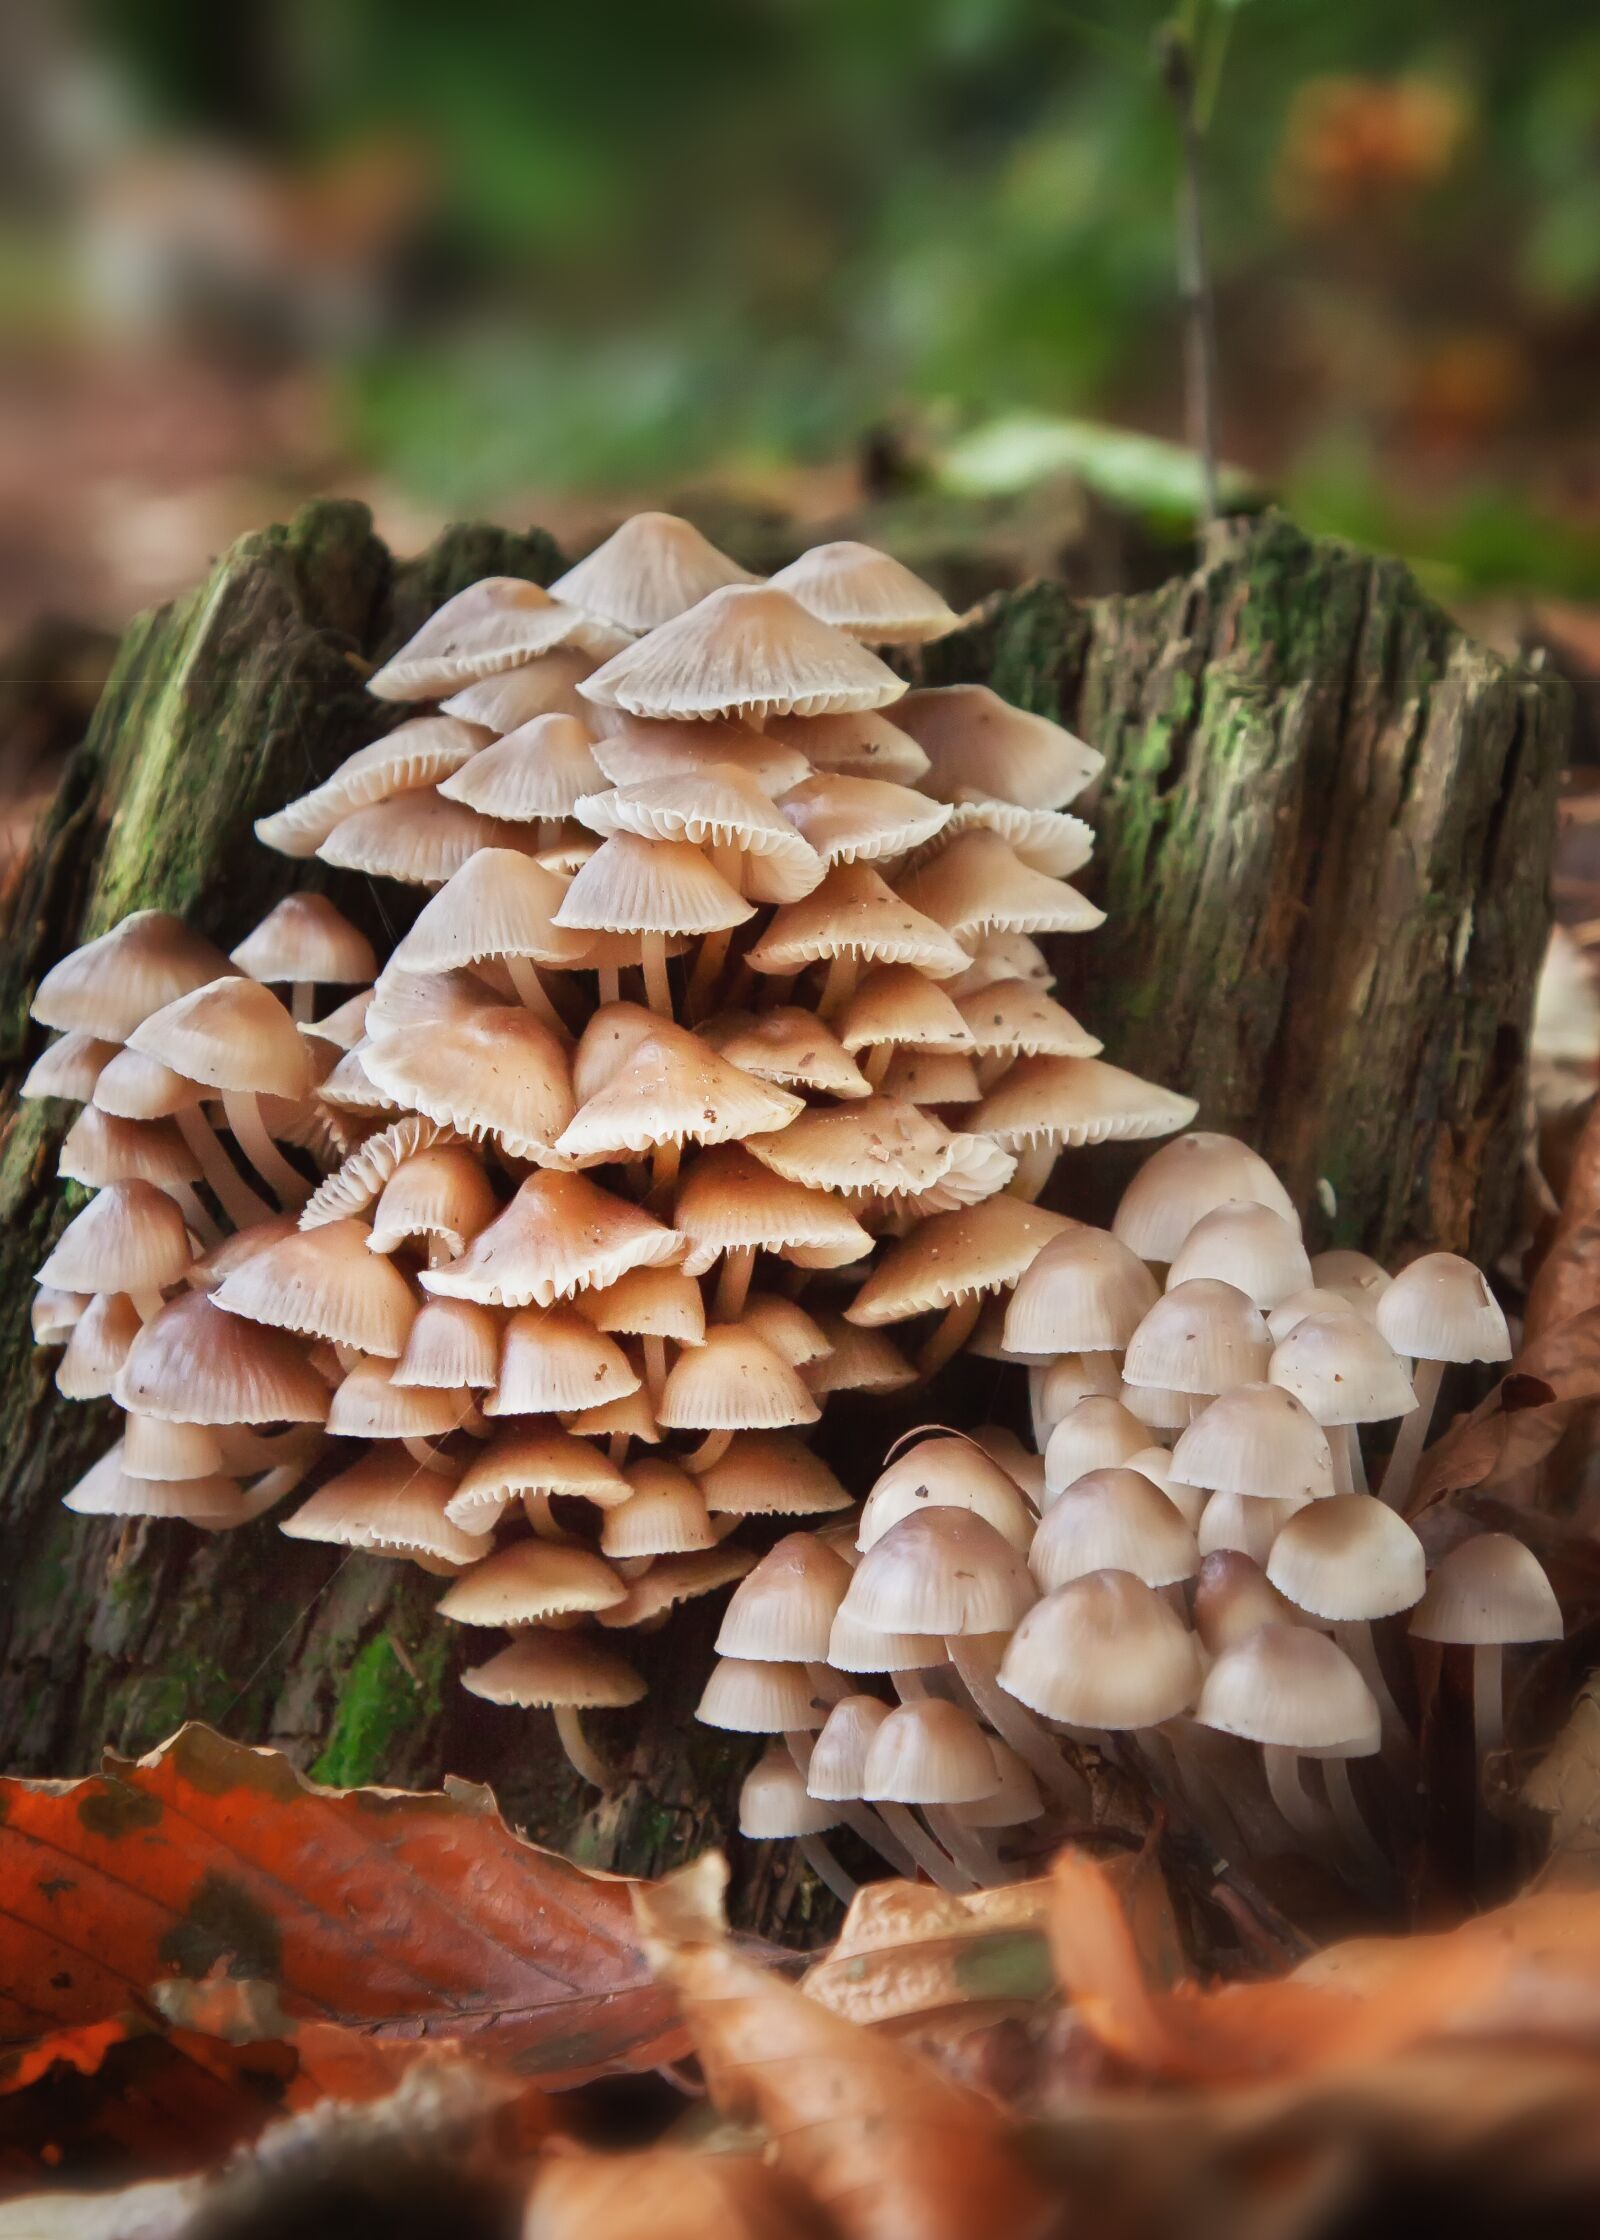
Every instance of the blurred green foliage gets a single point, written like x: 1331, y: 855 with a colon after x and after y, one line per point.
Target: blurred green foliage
x: 670, y: 239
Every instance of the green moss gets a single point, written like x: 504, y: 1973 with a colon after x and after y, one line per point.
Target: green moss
x: 379, y: 1701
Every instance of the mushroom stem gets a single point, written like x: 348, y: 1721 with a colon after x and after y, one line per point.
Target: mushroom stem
x: 609, y: 978
x: 950, y: 1336
x: 1401, y: 1469
x: 711, y: 1449
x: 733, y: 1282
x: 147, y: 1304
x: 862, y: 1818
x: 535, y: 996
x: 1488, y: 1698
x: 657, y: 988
x: 1358, y: 1837
x: 1035, y: 1166
x: 196, y: 1218
x: 250, y: 1133
x: 967, y: 1847
x: 707, y: 970
x: 235, y: 1196
x: 655, y: 1368
x: 664, y: 1163
x: 991, y: 1066
x: 910, y: 1687
x: 1283, y: 1780
x: 1013, y: 1721
x: 877, y: 1062
x: 839, y: 986
x: 1354, y: 1465
x: 585, y: 1762
x: 1357, y: 1641
x: 814, y: 1850
x: 427, y: 1457
x: 536, y: 1508
x: 934, y: 1863
x: 273, y: 1487
x: 301, y: 1002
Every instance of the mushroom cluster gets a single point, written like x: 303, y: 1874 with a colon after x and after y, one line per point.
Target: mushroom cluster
x: 1190, y: 1573
x: 720, y: 1044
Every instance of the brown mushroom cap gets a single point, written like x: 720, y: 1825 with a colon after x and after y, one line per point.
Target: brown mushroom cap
x: 858, y: 1361
x: 878, y: 1146
x: 1096, y: 1433
x: 1256, y: 1439
x: 1013, y: 1018
x: 784, y: 1608
x: 631, y: 750
x: 665, y: 1514
x: 745, y: 651
x: 495, y: 1072
x: 673, y: 1089
x: 773, y: 1804
x: 733, y: 1382
x: 747, y: 1698
x: 304, y: 937
x: 97, y: 1347
x: 195, y: 1364
x: 231, y: 1034
x: 729, y: 1201
x: 552, y: 1360
x: 129, y: 1237
x: 1104, y: 1651
x: 109, y: 1489
x: 561, y: 1233
x: 415, y: 754
x: 861, y: 820
x: 537, y: 1461
x: 954, y: 1256
x: 867, y: 594
x: 529, y: 1582
x: 945, y: 1472
x: 370, y: 1405
x: 1341, y: 1370
x: 452, y: 1343
x: 648, y: 1303
x: 113, y: 983
x: 1047, y: 840
x: 442, y: 1196
x: 386, y: 1505
x: 973, y: 738
x: 786, y: 1046
x: 716, y: 807
x: 1251, y: 1246
x: 855, y: 913
x: 325, y: 1283
x: 898, y: 1005
x: 1232, y: 1596
x: 770, y: 1474
x: 839, y: 1755
x: 674, y: 1579
x: 494, y: 624
x: 859, y: 743
x: 1113, y: 1520
x: 537, y: 772
x: 551, y: 1671
x: 651, y: 569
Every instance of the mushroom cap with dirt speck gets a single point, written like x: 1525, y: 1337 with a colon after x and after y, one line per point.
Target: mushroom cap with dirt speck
x: 501, y: 903
x: 647, y: 1303
x: 1441, y: 1309
x: 673, y: 1089
x: 1487, y: 1590
x: 787, y: 1046
x: 881, y: 1147
x: 1184, y: 1181
x: 954, y: 1256
x: 857, y: 1361
x: 861, y: 820
x: 854, y: 743
x: 1350, y: 1558
x: 785, y: 1607
x: 551, y: 1361
x: 942, y: 1570
x: 497, y: 623
x: 1249, y: 1245
x: 855, y: 913
x: 895, y: 1004
x: 325, y: 1283
x: 1201, y: 1338
x: 441, y: 1196
x: 534, y: 1460
x: 948, y: 1471
x: 1256, y: 1439
x: 1342, y: 1370
x: 733, y: 1382
x: 730, y: 1201
x: 496, y: 1072
x: 744, y: 1697
x: 1113, y: 1520
x: 1012, y: 1018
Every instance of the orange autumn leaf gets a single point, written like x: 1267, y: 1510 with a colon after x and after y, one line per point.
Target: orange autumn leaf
x: 888, y: 2147
x: 668, y: 2193
x: 407, y: 1918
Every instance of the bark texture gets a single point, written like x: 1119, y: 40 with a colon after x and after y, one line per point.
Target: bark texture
x: 1328, y: 822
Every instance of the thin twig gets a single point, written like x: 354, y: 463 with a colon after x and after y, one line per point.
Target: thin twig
x: 1194, y: 272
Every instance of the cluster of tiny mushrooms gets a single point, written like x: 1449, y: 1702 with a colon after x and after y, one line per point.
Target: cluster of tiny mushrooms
x: 721, y: 1046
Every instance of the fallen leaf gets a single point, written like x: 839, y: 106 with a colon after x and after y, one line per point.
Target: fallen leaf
x: 1564, y: 1787
x: 886, y: 2146
x: 407, y: 1918
x: 1520, y: 1422
x: 908, y: 1950
x: 668, y: 2193
x: 1567, y: 1281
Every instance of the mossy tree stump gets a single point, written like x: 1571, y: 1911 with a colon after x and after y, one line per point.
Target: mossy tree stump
x: 1327, y: 824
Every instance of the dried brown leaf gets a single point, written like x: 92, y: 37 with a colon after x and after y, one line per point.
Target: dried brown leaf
x: 669, y: 2194
x: 1519, y: 1423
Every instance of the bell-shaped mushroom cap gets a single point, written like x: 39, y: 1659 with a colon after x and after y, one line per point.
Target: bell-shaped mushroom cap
x: 651, y: 569
x: 1157, y: 1408
x: 1014, y: 1802
x: 418, y: 839
x: 1487, y: 1590
x: 877, y: 1146
x: 55, y: 1314
x: 113, y: 983
x: 555, y: 1671
x: 195, y: 1364
x: 1003, y: 956
x: 1013, y: 1018
x: 717, y: 807
x: 744, y: 651
x: 418, y: 999
x: 451, y: 1344
x: 346, y: 1024
x: 955, y: 1256
x: 783, y: 1324
x: 1251, y: 1246
x: 636, y: 886
x: 389, y: 1506
x: 1047, y: 840
x: 673, y: 1089
x: 1059, y: 1381
x: 370, y: 1405
x: 1441, y: 1309
x: 499, y: 904
x: 788, y: 1047
x: 941, y: 1570
x: 357, y: 1182
x: 933, y: 1077
x: 770, y: 1474
x: 1243, y: 1521
x: 734, y: 1382
x: 97, y: 1347
x: 529, y: 1582
x: 1340, y: 1369
x: 731, y: 1202
x: 973, y: 738
x: 441, y: 1196
x: 560, y: 1234
x: 867, y: 594
x: 231, y: 1034
x: 325, y: 1283
x: 1096, y: 1433
x: 99, y: 1149
x: 860, y: 820
x: 630, y: 750
x: 674, y: 1579
x: 648, y: 1303
x: 547, y: 685
x: 1354, y: 1277
x: 854, y: 1647
x: 1233, y: 1596
x: 1104, y: 1651
x: 415, y: 754
x: 747, y: 1698
x: 535, y: 774
x: 784, y: 1609
x: 857, y: 1361
x: 898, y: 1005
x: 1287, y: 1687
x: 1113, y: 1520
x: 1025, y: 1469
x: 492, y: 1072
x: 610, y: 1036
x: 69, y: 1067
x: 854, y: 744
x: 348, y: 1087
x: 154, y: 1448
x: 1186, y: 1180
x: 838, y: 1764
x: 552, y: 1360
x: 664, y: 1515
x: 1299, y: 1304
x: 773, y: 1803
x: 1155, y: 1463
x: 129, y: 1237
x: 977, y: 885
x: 1348, y: 1558
x: 930, y: 1752
x: 1202, y: 1337
x: 1077, y: 1101
x: 630, y: 1417
x: 304, y: 937
x: 493, y: 624
x: 110, y: 1489
x: 1256, y: 1439
x: 535, y: 1462
x: 948, y: 1472
x: 855, y: 913
x: 1084, y: 1293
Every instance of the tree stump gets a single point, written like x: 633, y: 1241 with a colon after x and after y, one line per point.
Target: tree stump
x: 1327, y: 825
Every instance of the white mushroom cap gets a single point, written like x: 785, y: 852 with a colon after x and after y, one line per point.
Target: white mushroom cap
x: 839, y: 1755
x: 1486, y: 1590
x: 1299, y: 1304
x: 1351, y: 1557
x: 1185, y: 1180
x: 1252, y: 1246
x: 1243, y: 1521
x: 748, y: 1698
x: 1354, y: 1276
x: 1104, y: 1651
x: 929, y: 1753
x: 1232, y: 1597
x: 1257, y: 1439
x: 1083, y: 1293
x: 1056, y: 1385
x: 773, y: 1804
x: 944, y: 1571
x: 1155, y: 1463
x: 784, y: 1609
x: 1113, y: 1520
x: 1339, y: 1368
x: 1016, y: 1800
x: 948, y: 1472
x: 1097, y: 1434
x: 1201, y: 1337
x: 1441, y: 1309
x: 1288, y: 1687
